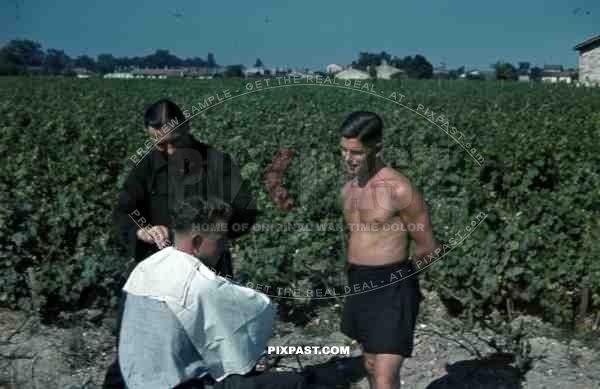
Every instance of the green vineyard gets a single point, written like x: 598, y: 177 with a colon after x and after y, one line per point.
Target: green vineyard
x: 510, y: 173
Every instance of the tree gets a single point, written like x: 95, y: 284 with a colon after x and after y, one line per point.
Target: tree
x: 106, y: 63
x: 83, y: 61
x: 123, y: 63
x: 384, y: 56
x: 372, y: 71
x: 136, y: 62
x: 22, y: 52
x: 524, y: 67
x: 417, y: 67
x: 234, y: 71
x: 505, y: 71
x: 210, y: 61
x: 363, y: 61
x: 195, y: 62
x: 404, y: 63
x: 17, y: 56
x: 420, y: 68
x: 536, y: 73
x: 161, y: 59
x: 366, y: 60
x: 10, y: 69
x: 258, y: 63
x: 56, y: 61
x: 455, y: 73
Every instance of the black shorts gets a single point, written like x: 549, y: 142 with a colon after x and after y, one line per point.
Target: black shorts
x: 381, y: 307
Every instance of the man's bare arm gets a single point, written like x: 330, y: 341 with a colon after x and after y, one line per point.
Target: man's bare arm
x: 413, y: 211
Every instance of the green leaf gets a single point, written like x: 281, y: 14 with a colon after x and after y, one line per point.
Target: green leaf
x: 532, y: 172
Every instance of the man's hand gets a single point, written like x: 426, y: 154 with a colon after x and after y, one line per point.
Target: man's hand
x: 158, y: 235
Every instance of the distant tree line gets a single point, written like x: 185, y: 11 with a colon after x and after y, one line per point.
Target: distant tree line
x: 415, y: 67
x: 501, y: 71
x: 22, y: 56
x: 419, y: 67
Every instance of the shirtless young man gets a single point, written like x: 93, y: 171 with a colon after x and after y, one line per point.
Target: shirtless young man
x: 383, y: 211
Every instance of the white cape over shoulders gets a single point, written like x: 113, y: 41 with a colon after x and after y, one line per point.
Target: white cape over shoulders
x: 228, y: 325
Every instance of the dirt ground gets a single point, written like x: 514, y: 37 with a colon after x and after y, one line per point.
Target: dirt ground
x: 75, y: 353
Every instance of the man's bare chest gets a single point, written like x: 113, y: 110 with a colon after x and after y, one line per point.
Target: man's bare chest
x: 369, y: 205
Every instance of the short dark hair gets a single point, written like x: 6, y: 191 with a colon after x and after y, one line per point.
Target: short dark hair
x: 164, y: 112
x: 364, y: 125
x: 199, y: 214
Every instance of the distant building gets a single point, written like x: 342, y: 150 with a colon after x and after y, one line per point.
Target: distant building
x: 82, y: 73
x: 158, y: 73
x: 254, y: 71
x: 556, y: 73
x: 554, y: 77
x: 260, y: 71
x: 297, y: 74
x: 567, y: 77
x: 162, y: 73
x: 551, y: 69
x: 524, y: 73
x: 334, y: 68
x: 385, y: 71
x: 119, y: 75
x: 473, y: 74
x: 352, y: 74
x: 589, y: 61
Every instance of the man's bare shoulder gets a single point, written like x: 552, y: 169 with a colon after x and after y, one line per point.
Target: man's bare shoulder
x: 389, y: 176
x: 346, y: 188
x: 398, y: 185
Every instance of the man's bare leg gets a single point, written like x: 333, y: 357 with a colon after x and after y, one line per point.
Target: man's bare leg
x: 370, y: 367
x: 386, y: 374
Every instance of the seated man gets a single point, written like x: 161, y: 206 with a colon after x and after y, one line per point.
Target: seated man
x: 182, y: 322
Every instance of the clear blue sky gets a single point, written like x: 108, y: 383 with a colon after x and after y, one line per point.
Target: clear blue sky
x: 310, y: 33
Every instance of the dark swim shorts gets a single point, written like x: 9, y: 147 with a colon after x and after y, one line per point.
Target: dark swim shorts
x: 381, y: 307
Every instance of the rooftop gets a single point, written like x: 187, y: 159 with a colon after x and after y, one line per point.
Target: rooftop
x: 588, y: 43
x: 555, y: 68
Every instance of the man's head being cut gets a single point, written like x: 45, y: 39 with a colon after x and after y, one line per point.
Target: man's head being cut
x: 195, y: 220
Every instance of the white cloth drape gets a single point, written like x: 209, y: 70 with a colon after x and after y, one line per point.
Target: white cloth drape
x: 228, y: 325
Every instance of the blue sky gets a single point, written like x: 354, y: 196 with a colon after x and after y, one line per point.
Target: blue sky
x: 310, y: 33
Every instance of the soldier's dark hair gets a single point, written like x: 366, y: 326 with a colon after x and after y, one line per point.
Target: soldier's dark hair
x: 364, y: 125
x: 164, y: 112
x: 198, y: 214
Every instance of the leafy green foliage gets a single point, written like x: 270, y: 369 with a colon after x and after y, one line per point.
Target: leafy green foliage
x: 66, y: 143
x: 505, y: 71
